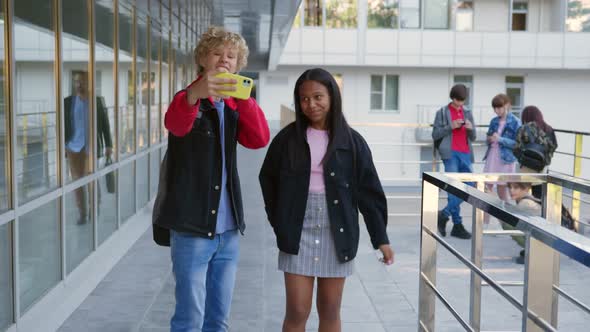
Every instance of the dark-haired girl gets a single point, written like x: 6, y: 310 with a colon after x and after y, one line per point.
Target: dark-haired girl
x: 317, y: 175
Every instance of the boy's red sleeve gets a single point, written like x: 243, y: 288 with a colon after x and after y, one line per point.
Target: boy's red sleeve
x: 253, y: 131
x: 180, y: 115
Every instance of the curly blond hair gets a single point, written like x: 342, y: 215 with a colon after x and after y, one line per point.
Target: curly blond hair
x: 216, y: 36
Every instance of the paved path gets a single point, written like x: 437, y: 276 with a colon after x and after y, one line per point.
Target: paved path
x: 137, y: 295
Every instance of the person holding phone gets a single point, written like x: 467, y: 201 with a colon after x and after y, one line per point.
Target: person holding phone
x: 317, y: 175
x: 453, y: 131
x: 198, y: 210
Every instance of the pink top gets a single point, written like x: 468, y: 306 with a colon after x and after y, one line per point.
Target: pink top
x: 318, y: 144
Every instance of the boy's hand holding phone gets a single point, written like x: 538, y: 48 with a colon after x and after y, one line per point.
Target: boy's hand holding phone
x: 455, y: 124
x: 210, y: 86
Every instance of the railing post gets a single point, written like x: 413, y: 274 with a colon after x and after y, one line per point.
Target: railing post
x: 577, y: 173
x: 476, y: 255
x: 427, y: 257
x: 542, y: 269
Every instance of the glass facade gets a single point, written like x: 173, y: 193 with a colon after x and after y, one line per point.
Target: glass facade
x: 578, y: 16
x: 6, y: 290
x: 89, y: 83
x: 341, y: 13
x: 382, y: 13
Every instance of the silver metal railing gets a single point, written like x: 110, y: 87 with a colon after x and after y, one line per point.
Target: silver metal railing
x: 546, y: 240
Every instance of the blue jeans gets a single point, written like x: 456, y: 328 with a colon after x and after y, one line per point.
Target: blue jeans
x: 458, y: 163
x: 205, y: 274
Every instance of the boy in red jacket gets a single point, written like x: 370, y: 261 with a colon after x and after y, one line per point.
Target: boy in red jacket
x: 199, y: 202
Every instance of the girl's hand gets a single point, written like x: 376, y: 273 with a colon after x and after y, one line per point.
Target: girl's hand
x: 388, y: 254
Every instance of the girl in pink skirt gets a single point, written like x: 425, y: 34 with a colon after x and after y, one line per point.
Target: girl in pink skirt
x: 501, y: 137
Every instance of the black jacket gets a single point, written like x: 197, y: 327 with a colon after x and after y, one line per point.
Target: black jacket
x: 103, y: 128
x: 190, y: 175
x: 284, y: 179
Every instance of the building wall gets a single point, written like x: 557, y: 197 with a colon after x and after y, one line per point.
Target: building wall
x: 421, y: 92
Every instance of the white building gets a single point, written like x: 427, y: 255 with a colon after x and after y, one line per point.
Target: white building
x: 397, y: 61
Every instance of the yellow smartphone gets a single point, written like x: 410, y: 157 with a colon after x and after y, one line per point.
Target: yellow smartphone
x: 243, y: 86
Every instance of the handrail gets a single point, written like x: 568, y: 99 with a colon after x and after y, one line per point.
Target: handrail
x: 545, y: 239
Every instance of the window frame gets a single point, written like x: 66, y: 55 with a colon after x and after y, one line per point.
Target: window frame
x: 520, y: 86
x: 469, y: 86
x: 383, y: 92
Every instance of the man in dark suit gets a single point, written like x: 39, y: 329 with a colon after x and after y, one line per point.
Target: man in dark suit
x: 77, y: 135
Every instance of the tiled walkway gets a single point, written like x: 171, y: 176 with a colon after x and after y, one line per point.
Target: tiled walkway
x: 137, y: 295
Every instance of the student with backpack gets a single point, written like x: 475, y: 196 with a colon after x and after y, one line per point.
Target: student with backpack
x: 453, y: 131
x: 535, y: 144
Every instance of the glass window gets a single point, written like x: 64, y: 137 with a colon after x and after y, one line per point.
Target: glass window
x: 464, y: 15
x: 107, y: 206
x: 36, y: 150
x: 143, y: 190
x: 76, y: 93
x: 297, y: 20
x: 578, y: 16
x: 6, y: 311
x: 515, y: 90
x: 466, y: 80
x: 519, y: 15
x: 104, y: 82
x: 143, y: 86
x: 155, y: 85
x: 165, y: 82
x: 4, y: 158
x: 79, y: 231
x: 126, y: 88
x: 384, y: 92
x: 39, y: 261
x: 436, y: 14
x: 154, y: 172
x: 312, y: 13
x: 410, y: 14
x: 127, y: 189
x: 382, y: 13
x: 341, y: 13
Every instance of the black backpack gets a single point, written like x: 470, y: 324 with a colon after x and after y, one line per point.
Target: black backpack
x: 534, y: 154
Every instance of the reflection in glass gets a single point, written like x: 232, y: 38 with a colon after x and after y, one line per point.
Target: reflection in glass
x: 313, y: 13
x: 35, y: 109
x: 436, y: 14
x: 578, y: 16
x: 341, y: 13
x: 4, y: 198
x: 155, y: 85
x: 410, y: 14
x: 107, y: 206
x: 154, y: 172
x: 143, y: 190
x: 127, y: 187
x: 77, y: 119
x: 165, y: 83
x: 6, y: 311
x: 39, y: 263
x: 104, y: 82
x: 144, y: 81
x: 79, y: 231
x: 464, y: 16
x: 382, y: 13
x: 126, y: 89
